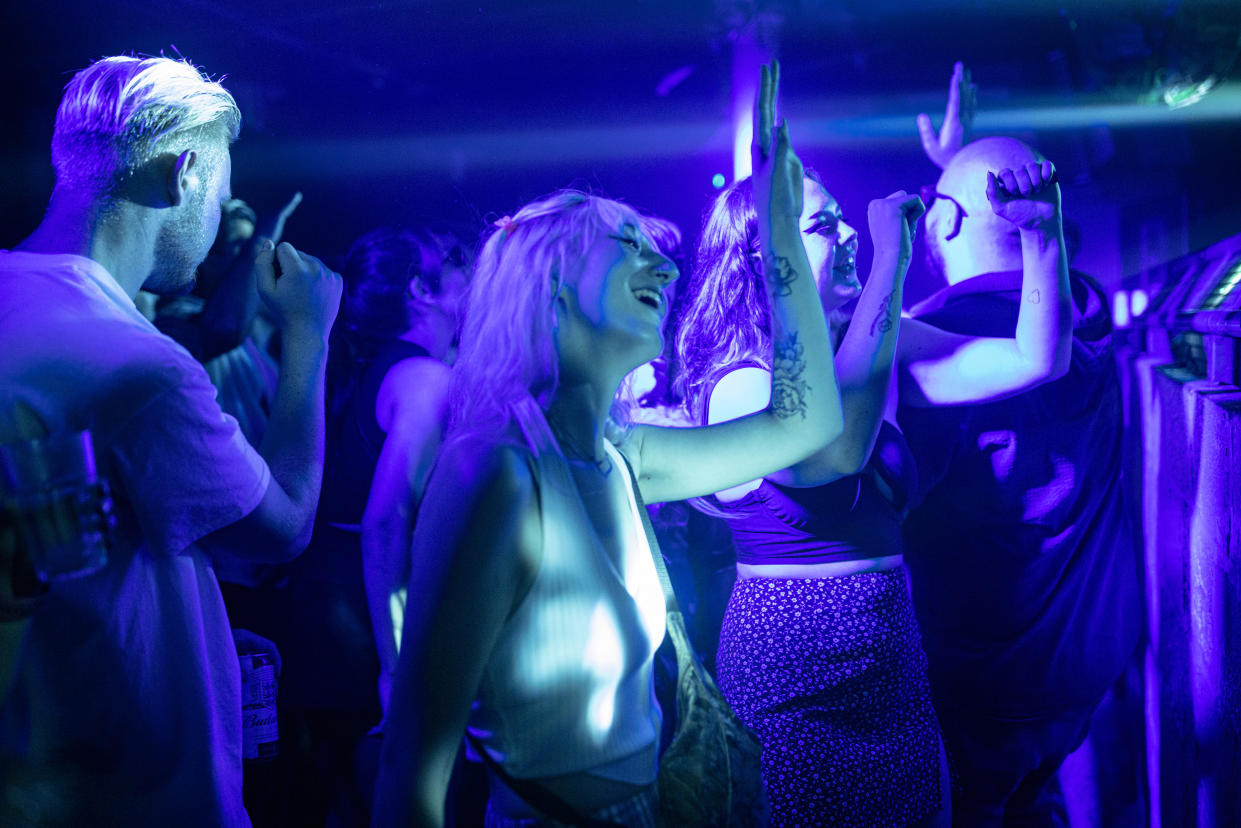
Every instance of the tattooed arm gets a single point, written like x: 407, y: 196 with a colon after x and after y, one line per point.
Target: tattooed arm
x: 804, y: 413
x: 863, y: 364
x: 864, y: 361
x: 940, y: 368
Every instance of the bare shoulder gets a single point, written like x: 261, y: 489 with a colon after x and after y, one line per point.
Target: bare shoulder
x: 417, y: 386
x: 415, y: 371
x: 478, y: 463
x: 485, y: 490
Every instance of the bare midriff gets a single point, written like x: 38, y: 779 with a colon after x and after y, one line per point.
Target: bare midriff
x: 831, y: 569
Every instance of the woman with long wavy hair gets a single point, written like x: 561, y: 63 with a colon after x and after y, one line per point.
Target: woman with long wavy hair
x: 819, y: 650
x: 538, y: 608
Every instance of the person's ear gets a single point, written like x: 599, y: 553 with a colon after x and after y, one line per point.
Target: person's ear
x: 417, y: 290
x: 182, y: 177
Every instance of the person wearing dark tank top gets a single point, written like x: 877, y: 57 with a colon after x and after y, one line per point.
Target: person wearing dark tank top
x: 819, y: 649
x: 396, y: 329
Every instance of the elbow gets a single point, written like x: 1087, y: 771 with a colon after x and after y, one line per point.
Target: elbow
x: 1060, y: 366
x: 290, y: 542
x: 846, y: 458
x: 851, y: 462
x: 1056, y: 365
x: 298, y: 543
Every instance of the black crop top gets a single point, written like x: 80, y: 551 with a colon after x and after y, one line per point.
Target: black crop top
x: 845, y: 520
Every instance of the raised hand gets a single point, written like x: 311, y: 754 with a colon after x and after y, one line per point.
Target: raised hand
x: 305, y: 296
x: 1028, y: 196
x: 777, y: 175
x: 892, y: 222
x: 958, y: 119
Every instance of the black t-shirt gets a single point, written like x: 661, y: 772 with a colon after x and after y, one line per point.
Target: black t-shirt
x: 1023, y: 562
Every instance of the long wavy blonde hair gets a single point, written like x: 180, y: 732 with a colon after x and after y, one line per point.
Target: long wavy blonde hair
x: 507, y: 350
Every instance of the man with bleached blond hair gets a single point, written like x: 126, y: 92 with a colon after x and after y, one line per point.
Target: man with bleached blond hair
x: 126, y: 704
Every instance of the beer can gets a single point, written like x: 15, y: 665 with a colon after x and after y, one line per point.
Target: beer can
x: 260, y: 734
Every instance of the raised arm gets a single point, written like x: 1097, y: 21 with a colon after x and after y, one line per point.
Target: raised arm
x: 410, y: 410
x: 958, y: 119
x: 229, y: 312
x: 476, y: 548
x: 940, y: 368
x: 804, y: 412
x: 863, y: 363
x: 304, y: 299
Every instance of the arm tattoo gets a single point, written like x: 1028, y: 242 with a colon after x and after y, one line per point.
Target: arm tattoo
x: 782, y: 276
x: 788, y: 385
x: 883, y: 320
x: 1035, y: 297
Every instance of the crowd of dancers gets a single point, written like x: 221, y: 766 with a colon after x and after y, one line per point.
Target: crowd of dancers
x: 420, y: 484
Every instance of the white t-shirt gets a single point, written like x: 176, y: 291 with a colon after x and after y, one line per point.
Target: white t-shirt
x: 126, y: 708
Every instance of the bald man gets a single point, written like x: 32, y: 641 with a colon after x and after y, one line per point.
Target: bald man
x: 1022, y: 563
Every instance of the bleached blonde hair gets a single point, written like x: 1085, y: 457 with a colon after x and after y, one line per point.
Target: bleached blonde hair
x: 120, y: 113
x: 508, y: 350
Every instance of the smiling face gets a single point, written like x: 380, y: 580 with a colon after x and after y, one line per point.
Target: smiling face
x: 831, y: 245
x: 613, y: 305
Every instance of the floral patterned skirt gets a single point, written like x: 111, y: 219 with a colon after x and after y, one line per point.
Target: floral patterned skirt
x: 830, y: 675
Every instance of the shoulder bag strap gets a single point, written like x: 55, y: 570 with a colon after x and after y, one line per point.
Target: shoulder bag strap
x: 537, y: 796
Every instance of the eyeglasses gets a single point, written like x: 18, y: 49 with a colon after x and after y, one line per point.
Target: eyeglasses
x: 929, y: 194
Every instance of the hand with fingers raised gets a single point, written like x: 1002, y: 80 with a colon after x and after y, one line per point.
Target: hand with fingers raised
x: 777, y: 175
x: 1028, y: 196
x: 954, y: 132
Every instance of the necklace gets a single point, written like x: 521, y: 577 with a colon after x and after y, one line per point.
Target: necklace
x: 574, y: 454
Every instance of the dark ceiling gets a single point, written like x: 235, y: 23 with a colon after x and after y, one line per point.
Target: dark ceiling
x: 388, y: 111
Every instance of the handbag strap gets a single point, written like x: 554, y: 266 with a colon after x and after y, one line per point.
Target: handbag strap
x: 670, y: 596
x: 536, y: 795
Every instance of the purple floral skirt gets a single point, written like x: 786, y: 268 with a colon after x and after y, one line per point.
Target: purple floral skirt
x: 830, y: 675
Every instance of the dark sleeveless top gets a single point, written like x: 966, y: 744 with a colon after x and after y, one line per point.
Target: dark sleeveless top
x: 354, y: 442
x: 846, y: 520
x: 357, y: 440
x: 322, y: 622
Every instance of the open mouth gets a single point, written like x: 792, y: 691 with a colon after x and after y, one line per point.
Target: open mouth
x: 845, y: 260
x: 651, y: 297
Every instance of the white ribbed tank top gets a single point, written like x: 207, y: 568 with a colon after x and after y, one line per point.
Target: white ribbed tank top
x: 568, y: 687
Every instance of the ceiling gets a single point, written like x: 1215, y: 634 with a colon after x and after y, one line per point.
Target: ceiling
x: 386, y: 110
